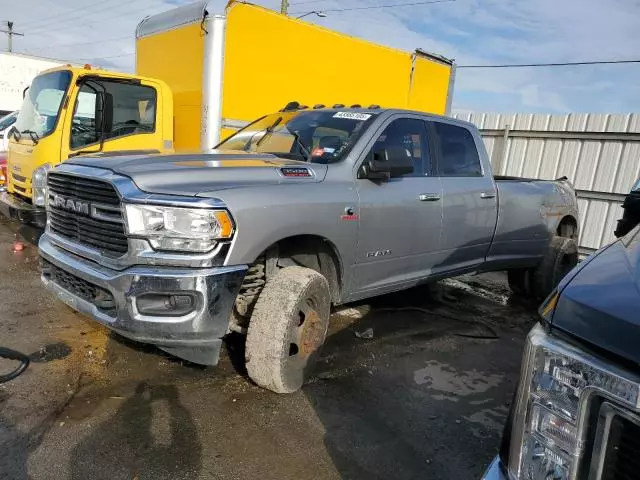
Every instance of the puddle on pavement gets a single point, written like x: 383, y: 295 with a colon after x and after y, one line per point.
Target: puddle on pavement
x: 490, y: 418
x: 452, y: 383
x: 48, y: 353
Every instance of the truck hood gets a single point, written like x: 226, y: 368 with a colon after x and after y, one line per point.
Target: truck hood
x: 600, y: 303
x: 192, y: 174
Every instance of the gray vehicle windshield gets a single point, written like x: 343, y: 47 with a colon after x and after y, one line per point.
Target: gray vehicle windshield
x: 317, y: 136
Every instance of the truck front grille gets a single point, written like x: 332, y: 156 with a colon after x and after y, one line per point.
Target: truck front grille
x: 86, y: 211
x: 99, y: 297
x: 622, y: 453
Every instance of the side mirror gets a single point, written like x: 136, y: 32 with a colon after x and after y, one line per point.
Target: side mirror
x: 387, y: 163
x: 24, y: 92
x: 103, y: 113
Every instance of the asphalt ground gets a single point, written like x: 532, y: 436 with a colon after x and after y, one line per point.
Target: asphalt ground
x: 410, y: 385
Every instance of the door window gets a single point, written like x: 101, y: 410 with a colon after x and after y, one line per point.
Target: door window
x: 410, y: 134
x: 134, y: 108
x: 458, y: 154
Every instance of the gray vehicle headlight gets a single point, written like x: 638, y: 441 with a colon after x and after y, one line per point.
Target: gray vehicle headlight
x: 39, y: 185
x: 547, y: 441
x: 179, y: 229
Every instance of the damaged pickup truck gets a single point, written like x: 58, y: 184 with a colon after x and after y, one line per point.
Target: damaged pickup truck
x: 301, y: 210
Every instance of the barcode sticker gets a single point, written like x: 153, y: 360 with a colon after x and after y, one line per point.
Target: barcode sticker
x: 352, y: 115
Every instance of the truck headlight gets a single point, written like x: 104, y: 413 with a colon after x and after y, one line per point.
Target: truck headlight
x: 546, y: 437
x: 39, y: 185
x: 178, y: 229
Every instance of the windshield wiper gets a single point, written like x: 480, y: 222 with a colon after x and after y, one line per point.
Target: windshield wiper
x: 34, y: 136
x: 268, y: 131
x: 16, y: 134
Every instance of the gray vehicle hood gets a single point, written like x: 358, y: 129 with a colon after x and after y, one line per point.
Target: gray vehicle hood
x: 192, y: 174
x: 600, y: 301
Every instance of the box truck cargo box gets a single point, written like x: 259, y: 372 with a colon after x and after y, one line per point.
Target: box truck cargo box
x: 229, y: 64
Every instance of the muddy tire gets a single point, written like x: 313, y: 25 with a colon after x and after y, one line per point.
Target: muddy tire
x: 561, y: 257
x: 519, y: 281
x: 287, y: 328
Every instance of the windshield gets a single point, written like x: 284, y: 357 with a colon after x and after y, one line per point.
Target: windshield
x: 41, y: 104
x: 8, y: 120
x: 318, y: 136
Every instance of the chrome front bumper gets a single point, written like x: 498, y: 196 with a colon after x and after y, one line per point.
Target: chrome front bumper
x: 496, y: 471
x: 195, y: 336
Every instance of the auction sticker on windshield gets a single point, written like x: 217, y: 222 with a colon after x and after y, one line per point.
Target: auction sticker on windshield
x: 352, y: 115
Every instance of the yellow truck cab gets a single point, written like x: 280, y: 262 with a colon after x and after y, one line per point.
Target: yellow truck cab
x: 70, y: 111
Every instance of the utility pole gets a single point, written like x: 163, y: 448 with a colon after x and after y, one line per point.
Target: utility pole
x: 10, y: 33
x: 284, y: 5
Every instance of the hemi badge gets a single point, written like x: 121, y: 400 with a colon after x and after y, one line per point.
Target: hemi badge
x: 295, y: 172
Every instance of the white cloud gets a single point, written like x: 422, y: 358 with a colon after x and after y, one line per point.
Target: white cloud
x: 471, y: 31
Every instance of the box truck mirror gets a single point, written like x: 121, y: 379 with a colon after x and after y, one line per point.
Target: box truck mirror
x: 104, y: 113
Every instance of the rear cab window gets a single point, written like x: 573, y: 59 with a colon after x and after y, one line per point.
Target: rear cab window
x: 457, y: 151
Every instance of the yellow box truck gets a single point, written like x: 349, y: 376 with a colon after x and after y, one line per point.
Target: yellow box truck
x: 229, y: 65
x: 203, y: 71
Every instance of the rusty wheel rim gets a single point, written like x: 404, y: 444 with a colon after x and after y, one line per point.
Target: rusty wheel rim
x: 308, y: 333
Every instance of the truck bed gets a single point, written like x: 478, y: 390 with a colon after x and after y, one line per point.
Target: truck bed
x: 518, y: 229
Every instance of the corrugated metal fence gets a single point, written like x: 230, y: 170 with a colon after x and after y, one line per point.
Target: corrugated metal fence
x: 599, y: 153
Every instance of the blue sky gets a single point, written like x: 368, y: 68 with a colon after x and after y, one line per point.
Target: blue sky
x: 471, y: 31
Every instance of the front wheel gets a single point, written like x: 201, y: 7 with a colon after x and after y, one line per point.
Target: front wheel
x: 287, y: 328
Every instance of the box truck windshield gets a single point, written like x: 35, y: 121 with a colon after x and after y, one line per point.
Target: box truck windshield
x: 41, y: 105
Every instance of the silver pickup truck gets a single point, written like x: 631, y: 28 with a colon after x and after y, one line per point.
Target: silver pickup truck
x: 301, y: 210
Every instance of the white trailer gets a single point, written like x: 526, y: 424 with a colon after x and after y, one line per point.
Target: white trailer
x: 16, y: 73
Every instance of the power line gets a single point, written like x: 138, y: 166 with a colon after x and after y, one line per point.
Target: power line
x: 558, y: 64
x: 73, y: 13
x: 95, y: 59
x: 371, y: 7
x: 104, y: 40
x: 307, y: 2
x: 79, y: 19
x: 10, y: 33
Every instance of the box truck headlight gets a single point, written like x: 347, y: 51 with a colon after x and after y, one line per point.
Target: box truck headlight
x: 546, y: 440
x: 179, y: 229
x: 39, y: 185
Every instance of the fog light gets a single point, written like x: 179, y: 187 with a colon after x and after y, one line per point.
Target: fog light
x: 165, y: 305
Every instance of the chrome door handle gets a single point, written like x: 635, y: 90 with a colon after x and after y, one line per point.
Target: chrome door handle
x: 428, y: 197
x: 487, y: 195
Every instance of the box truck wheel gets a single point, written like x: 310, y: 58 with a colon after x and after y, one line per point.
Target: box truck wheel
x: 287, y: 328
x: 561, y: 257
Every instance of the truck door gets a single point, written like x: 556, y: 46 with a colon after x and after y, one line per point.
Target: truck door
x: 470, y: 207
x: 400, y: 218
x: 132, y: 124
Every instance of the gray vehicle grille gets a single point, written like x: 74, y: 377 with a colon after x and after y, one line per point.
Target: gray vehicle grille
x: 105, y: 235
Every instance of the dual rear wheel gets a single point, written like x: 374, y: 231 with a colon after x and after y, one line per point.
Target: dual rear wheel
x: 537, y: 283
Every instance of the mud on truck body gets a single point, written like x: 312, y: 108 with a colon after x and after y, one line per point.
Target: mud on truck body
x: 301, y: 210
